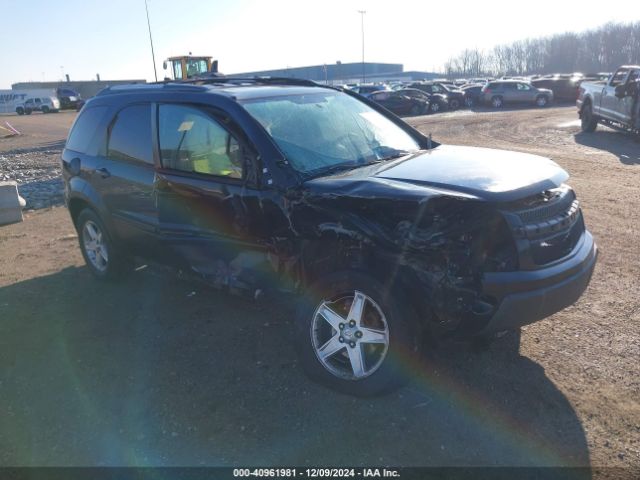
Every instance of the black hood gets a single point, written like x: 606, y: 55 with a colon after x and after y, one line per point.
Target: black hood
x: 472, y: 172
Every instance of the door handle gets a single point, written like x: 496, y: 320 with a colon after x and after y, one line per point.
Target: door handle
x: 104, y: 173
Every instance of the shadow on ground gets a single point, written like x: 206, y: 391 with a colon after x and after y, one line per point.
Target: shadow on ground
x: 160, y: 371
x: 625, y: 146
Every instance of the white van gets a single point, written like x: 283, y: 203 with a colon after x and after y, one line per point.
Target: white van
x: 13, y: 101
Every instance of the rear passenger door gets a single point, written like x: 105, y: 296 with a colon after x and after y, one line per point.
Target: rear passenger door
x: 124, y: 178
x: 209, y: 209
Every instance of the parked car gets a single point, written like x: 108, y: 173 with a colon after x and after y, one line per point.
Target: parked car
x: 437, y: 102
x: 472, y: 95
x: 501, y: 92
x: 455, y: 97
x: 383, y: 235
x: 38, y: 104
x: 68, y: 98
x: 401, y: 104
x: 367, y: 89
x: 563, y: 88
x: 615, y: 103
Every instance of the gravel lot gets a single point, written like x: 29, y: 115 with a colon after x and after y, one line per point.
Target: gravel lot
x: 161, y: 371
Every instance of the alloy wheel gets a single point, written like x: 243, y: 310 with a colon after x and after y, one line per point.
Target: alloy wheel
x: 350, y: 335
x: 94, y: 246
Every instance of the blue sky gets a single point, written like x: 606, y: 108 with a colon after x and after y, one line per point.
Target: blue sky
x: 38, y: 37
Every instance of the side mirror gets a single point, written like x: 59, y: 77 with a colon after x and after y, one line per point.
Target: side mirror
x: 164, y: 65
x: 621, y: 91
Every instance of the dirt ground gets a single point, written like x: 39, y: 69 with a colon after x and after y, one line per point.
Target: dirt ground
x: 161, y: 371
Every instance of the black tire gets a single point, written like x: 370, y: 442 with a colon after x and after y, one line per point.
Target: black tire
x: 542, y: 101
x: 435, y: 107
x: 20, y: 111
x: 403, y: 339
x: 588, y: 121
x: 454, y: 104
x: 45, y: 109
x: 118, y: 263
x: 28, y: 111
x: 497, y: 101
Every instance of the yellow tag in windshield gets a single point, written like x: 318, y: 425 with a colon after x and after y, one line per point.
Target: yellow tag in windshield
x: 185, y: 126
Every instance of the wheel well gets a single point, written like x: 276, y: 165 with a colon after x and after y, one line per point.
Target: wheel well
x: 77, y: 205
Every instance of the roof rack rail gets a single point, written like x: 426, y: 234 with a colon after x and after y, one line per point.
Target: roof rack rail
x: 137, y: 87
x: 221, y: 79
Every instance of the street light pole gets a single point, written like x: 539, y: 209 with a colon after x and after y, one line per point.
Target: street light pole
x: 153, y: 57
x: 362, y: 12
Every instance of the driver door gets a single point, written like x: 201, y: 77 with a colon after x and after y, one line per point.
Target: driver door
x: 209, y: 213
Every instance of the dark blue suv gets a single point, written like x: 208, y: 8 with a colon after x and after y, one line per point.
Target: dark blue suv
x: 291, y: 188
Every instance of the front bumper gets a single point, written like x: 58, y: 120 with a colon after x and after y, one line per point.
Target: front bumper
x: 525, y: 297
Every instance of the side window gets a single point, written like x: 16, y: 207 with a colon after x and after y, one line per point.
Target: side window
x: 130, y: 136
x: 38, y: 101
x: 523, y: 87
x: 619, y: 77
x: 192, y: 141
x: 84, y: 129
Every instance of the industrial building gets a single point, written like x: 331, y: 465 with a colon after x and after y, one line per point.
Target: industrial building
x: 86, y: 88
x: 340, y: 73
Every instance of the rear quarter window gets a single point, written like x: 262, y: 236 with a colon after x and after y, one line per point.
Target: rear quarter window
x: 85, y: 129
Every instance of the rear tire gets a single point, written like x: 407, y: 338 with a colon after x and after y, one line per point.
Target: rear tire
x: 497, y: 102
x: 20, y: 111
x: 435, y: 107
x: 588, y: 121
x: 45, y: 109
x: 454, y: 104
x: 361, y: 357
x: 104, y: 260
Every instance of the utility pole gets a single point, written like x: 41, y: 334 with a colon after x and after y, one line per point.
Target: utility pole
x: 362, y: 12
x: 153, y: 56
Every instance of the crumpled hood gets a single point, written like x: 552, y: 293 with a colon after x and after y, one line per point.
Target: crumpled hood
x: 493, y: 175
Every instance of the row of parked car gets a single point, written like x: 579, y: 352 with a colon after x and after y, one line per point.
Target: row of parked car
x: 418, y: 98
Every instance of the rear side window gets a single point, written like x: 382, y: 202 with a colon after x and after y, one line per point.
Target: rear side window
x: 130, y: 136
x: 84, y: 130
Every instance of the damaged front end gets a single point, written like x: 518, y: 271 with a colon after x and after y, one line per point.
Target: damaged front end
x: 448, y: 249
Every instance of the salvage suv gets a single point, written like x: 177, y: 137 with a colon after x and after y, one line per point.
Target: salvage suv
x: 288, y: 187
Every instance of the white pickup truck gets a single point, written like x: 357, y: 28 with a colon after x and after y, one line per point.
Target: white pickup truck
x: 614, y: 102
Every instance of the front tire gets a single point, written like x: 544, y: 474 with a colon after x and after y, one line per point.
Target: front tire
x: 497, y: 102
x: 588, y: 121
x: 542, y: 101
x: 435, y: 107
x: 352, y: 334
x: 454, y: 104
x: 104, y: 260
x: 45, y: 110
x: 20, y: 111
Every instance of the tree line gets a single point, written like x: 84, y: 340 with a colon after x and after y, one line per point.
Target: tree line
x: 591, y: 51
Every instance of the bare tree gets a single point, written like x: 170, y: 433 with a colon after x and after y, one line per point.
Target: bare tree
x: 600, y: 49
